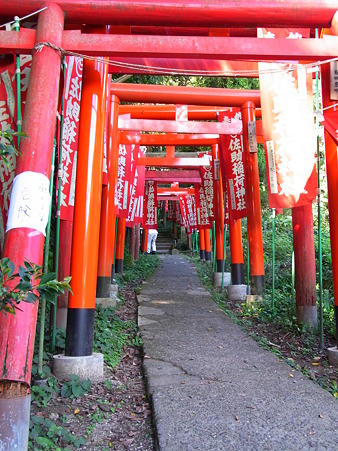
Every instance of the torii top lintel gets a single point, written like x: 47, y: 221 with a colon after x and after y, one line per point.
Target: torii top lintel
x: 209, y: 13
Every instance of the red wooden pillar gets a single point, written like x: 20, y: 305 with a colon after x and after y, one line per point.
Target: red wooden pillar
x: 331, y: 156
x: 120, y: 238
x: 207, y: 245
x: 107, y: 221
x: 253, y: 204
x: 81, y: 309
x: 65, y: 252
x: 305, y: 266
x: 219, y: 214
x: 236, y: 250
x: 24, y: 240
x: 25, y: 236
x: 137, y: 242
x: 202, y: 244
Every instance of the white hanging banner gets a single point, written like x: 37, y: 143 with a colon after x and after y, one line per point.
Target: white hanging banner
x: 30, y: 201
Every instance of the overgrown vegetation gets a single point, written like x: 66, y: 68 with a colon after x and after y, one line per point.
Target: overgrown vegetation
x: 112, y: 337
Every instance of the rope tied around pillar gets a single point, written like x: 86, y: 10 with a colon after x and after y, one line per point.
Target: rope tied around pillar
x: 38, y: 47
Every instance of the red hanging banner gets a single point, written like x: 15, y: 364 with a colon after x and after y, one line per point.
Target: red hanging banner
x: 124, y: 179
x: 208, y: 184
x: 232, y: 166
x: 72, y: 100
x: 135, y: 209
x: 203, y: 221
x: 289, y: 132
x: 150, y: 205
x: 171, y: 210
x: 191, y: 210
x: 184, y: 213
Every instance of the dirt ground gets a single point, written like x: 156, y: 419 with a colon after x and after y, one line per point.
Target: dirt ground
x: 116, y: 414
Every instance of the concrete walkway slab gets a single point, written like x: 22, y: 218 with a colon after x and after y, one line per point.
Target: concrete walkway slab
x: 212, y: 386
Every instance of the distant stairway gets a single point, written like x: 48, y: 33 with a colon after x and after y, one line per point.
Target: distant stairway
x: 163, y: 242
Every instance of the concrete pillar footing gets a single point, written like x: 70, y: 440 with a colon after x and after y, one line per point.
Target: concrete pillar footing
x: 86, y: 367
x: 217, y: 279
x: 237, y: 292
x: 333, y: 356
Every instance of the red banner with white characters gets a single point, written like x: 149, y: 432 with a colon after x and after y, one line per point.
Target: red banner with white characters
x: 202, y: 215
x: 289, y: 131
x: 70, y: 134
x: 232, y: 166
x: 124, y: 179
x: 9, y: 121
x: 178, y: 212
x: 191, y: 210
x: 150, y: 205
x: 184, y: 213
x: 135, y: 206
x: 208, y: 183
x: 171, y: 210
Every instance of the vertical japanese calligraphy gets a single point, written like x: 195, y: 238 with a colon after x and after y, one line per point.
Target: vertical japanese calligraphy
x: 72, y: 100
x: 208, y: 184
x: 232, y: 167
x: 150, y: 205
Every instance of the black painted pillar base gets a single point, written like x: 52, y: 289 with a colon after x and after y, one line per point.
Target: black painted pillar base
x: 237, y: 273
x: 219, y: 266
x: 257, y: 284
x: 79, y: 332
x: 202, y: 254
x: 112, y: 274
x: 118, y: 266
x: 103, y: 287
x: 208, y: 256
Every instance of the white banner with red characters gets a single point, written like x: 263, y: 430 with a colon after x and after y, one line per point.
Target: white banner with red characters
x: 150, y: 205
x: 135, y: 209
x: 202, y: 215
x: 289, y: 131
x: 208, y: 183
x: 232, y: 166
x: 8, y: 121
x: 171, y: 210
x: 70, y: 134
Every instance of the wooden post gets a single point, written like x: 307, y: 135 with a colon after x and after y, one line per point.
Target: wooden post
x: 81, y: 308
x: 236, y: 251
x: 253, y: 204
x: 120, y: 239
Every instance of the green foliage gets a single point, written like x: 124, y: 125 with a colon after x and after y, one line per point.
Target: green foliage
x: 42, y: 395
x: 135, y: 272
x: 28, y: 285
x: 46, y: 435
x: 7, y: 146
x: 75, y: 387
x: 111, y: 335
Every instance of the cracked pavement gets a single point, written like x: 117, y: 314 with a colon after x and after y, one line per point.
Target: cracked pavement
x: 212, y: 387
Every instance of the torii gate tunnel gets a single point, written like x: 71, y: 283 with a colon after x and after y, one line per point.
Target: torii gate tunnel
x: 199, y: 37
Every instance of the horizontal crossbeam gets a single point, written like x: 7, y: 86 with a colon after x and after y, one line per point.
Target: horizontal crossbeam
x: 221, y: 128
x: 184, y: 176
x: 169, y: 162
x: 168, y: 139
x: 198, y: 47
